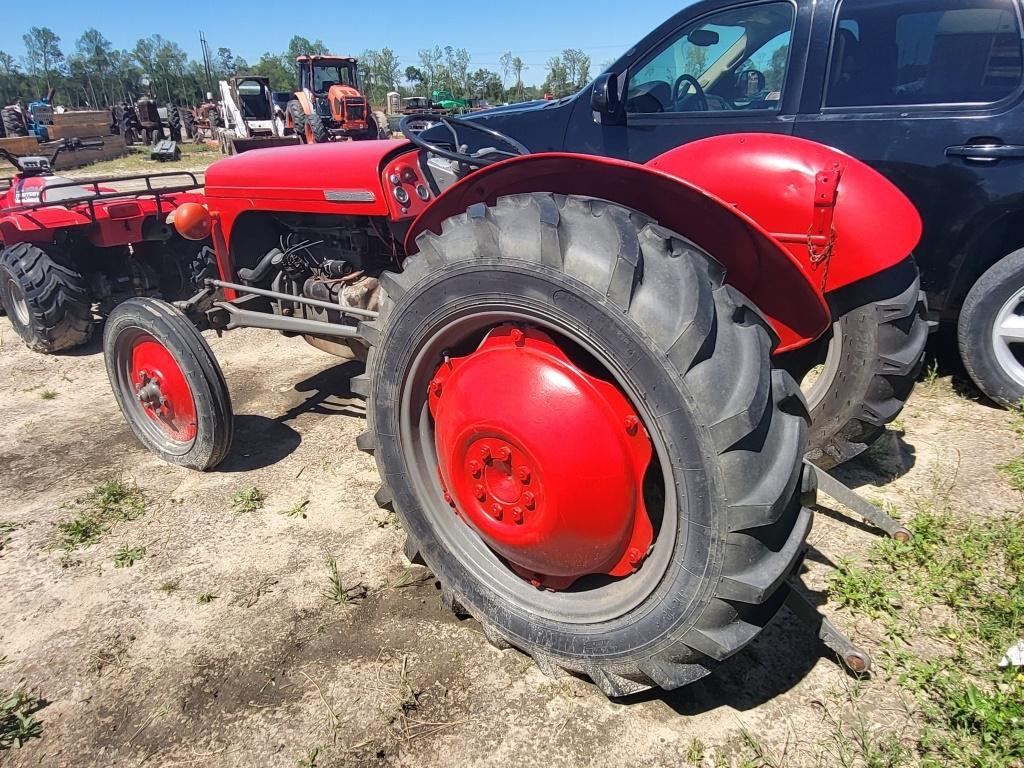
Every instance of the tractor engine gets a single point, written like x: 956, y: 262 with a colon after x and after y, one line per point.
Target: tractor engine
x: 327, y: 258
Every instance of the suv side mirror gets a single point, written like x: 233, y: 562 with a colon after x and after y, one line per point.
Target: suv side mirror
x: 604, y: 98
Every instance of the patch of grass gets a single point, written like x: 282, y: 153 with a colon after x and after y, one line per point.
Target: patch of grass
x: 17, y: 723
x: 864, y: 591
x: 205, y: 598
x: 309, y: 761
x: 299, y: 510
x: 930, y: 376
x: 96, y: 513
x: 967, y: 578
x: 48, y: 394
x: 336, y: 591
x: 1014, y: 471
x: 246, y: 500
x: 170, y: 586
x: 6, y: 528
x: 126, y: 556
x: 695, y: 751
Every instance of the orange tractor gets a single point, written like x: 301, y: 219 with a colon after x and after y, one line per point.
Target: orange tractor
x: 329, y: 104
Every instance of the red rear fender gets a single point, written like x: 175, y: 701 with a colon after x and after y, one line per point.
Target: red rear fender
x: 757, y: 264
x: 817, y: 201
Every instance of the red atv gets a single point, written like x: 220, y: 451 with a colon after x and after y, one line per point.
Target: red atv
x: 72, y: 246
x: 572, y: 396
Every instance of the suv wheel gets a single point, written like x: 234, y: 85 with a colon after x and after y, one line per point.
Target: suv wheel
x: 991, y: 330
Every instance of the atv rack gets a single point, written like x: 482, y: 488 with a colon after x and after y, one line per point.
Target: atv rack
x: 99, y: 196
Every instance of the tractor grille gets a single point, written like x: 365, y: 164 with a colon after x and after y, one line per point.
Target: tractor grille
x: 355, y: 109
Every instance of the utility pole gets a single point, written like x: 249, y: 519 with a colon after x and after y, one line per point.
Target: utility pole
x: 206, y: 62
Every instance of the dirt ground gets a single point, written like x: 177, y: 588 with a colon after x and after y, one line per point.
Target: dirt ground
x: 133, y: 669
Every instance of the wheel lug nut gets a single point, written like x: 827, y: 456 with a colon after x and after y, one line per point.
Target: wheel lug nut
x: 633, y: 555
x: 436, y: 386
x: 474, y: 468
x: 485, y: 452
x: 517, y: 337
x: 632, y: 424
x: 480, y: 491
x: 529, y: 500
x: 517, y: 514
x: 497, y: 511
x: 448, y: 499
x: 523, y: 473
x: 503, y: 453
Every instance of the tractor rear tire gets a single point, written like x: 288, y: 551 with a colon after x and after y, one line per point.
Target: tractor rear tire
x: 316, y: 130
x: 45, y: 297
x: 14, y: 123
x: 872, y: 358
x: 379, y: 127
x: 144, y: 334
x: 650, y: 312
x: 298, y: 117
x: 188, y: 123
x: 174, y: 122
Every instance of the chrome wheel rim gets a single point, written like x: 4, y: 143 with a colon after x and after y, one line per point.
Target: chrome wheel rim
x: 1008, y: 337
x: 18, y: 299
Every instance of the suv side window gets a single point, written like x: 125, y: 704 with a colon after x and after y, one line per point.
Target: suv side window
x: 730, y: 60
x: 924, y: 52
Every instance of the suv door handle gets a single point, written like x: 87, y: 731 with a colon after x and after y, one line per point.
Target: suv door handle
x: 985, y: 153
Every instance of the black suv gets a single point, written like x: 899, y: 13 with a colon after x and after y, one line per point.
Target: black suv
x: 928, y: 92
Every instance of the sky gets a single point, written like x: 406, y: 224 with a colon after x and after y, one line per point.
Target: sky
x: 535, y: 30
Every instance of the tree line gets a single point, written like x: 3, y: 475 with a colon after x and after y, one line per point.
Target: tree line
x: 92, y: 73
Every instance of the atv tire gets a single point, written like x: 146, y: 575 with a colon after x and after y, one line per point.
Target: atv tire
x: 13, y: 122
x: 872, y: 357
x: 46, y: 299
x: 298, y: 118
x: 195, y: 427
x: 316, y: 130
x: 693, y: 357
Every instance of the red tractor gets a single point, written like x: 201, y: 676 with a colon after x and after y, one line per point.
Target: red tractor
x: 71, y: 247
x: 329, y: 104
x: 574, y: 395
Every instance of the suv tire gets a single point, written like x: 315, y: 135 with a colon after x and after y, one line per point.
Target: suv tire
x: 986, y: 330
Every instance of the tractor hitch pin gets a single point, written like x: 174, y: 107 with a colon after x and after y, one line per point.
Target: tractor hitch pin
x: 855, y: 659
x: 852, y: 501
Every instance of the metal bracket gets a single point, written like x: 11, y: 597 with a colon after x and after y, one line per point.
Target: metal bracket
x: 825, y: 482
x: 855, y: 659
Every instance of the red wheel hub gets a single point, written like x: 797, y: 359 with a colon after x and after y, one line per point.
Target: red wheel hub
x: 162, y: 390
x: 543, y: 460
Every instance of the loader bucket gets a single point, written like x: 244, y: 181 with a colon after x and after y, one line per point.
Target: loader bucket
x: 262, y: 142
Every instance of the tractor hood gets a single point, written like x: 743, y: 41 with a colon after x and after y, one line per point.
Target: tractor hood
x: 347, y: 170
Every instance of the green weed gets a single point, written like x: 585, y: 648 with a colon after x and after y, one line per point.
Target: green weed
x: 17, y: 724
x: 127, y: 556
x: 1014, y: 471
x: 96, y: 513
x: 246, y: 500
x: 48, y: 394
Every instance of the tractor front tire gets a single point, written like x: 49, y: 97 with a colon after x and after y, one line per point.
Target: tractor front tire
x: 298, y: 118
x: 13, y: 122
x: 647, y: 313
x: 46, y: 298
x: 316, y: 131
x: 872, y: 357
x: 168, y: 384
